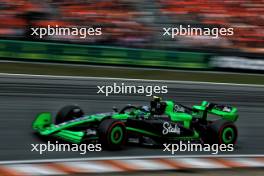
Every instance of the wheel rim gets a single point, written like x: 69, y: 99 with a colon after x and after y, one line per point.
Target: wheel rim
x: 228, y: 135
x: 116, y: 135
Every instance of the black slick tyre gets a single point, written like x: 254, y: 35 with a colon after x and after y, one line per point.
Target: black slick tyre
x: 221, y: 132
x: 112, y: 134
x: 68, y: 113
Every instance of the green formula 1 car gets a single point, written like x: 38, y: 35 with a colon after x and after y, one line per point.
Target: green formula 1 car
x: 160, y: 122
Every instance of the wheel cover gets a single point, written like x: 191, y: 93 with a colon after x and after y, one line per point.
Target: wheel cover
x: 116, y: 135
x: 228, y: 135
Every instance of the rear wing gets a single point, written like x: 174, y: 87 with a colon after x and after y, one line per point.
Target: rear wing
x: 225, y: 111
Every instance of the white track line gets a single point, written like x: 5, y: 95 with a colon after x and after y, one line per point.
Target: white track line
x: 126, y: 79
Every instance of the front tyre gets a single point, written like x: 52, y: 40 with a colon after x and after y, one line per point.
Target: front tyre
x: 68, y: 113
x: 221, y: 132
x: 112, y: 134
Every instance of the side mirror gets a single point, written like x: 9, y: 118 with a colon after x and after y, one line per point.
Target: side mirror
x: 115, y: 109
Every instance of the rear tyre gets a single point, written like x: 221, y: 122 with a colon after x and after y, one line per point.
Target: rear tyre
x: 68, y: 113
x: 221, y: 132
x: 112, y: 134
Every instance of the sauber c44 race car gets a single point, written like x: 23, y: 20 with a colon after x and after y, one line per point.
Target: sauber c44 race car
x: 157, y: 123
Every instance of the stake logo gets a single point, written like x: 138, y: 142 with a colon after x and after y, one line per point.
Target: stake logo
x: 170, y: 128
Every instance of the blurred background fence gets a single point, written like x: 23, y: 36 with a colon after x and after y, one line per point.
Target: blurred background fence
x: 93, y: 54
x: 58, y: 52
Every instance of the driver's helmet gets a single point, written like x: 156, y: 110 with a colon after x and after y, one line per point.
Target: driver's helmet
x: 155, y: 105
x: 157, y: 99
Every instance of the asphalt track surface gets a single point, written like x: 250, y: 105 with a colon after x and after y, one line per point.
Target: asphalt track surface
x: 23, y: 97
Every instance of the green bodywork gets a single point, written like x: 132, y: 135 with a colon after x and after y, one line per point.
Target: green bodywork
x: 45, y: 127
x: 178, y: 116
x: 230, y: 115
